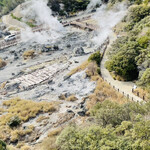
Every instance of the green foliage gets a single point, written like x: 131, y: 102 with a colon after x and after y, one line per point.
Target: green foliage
x: 138, y: 2
x: 14, y: 122
x: 146, y: 2
x: 30, y: 24
x: 8, y: 5
x: 75, y: 5
x: 92, y: 138
x: 130, y: 132
x: 123, y: 61
x: 69, y: 5
x: 96, y: 57
x: 144, y: 41
x: 17, y: 18
x: 108, y: 112
x: 136, y: 14
x: 143, y: 58
x: 2, y: 145
x: 144, y: 23
x: 145, y: 79
x: 130, y: 54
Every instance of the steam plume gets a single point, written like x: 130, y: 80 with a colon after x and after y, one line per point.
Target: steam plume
x: 107, y: 19
x: 38, y: 11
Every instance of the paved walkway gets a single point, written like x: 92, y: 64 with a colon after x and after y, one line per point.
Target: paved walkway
x: 125, y: 87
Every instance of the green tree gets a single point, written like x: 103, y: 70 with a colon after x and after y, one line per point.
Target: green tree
x: 2, y: 145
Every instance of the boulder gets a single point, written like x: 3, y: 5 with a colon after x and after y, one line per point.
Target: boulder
x: 81, y: 113
x: 1, y: 34
x: 16, y: 58
x: 6, y: 33
x: 79, y: 51
x: 69, y: 111
x: 76, y: 61
x: 68, y: 46
x: 60, y: 84
x: 47, y: 48
x: 62, y: 96
x: 12, y: 86
x: 2, y: 26
x: 55, y: 47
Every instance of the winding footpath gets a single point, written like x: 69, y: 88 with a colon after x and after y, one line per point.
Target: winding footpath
x: 124, y: 87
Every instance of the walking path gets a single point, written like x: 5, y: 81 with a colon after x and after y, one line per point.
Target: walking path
x: 123, y: 87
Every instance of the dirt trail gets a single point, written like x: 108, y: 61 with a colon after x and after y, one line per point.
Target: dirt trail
x: 125, y: 87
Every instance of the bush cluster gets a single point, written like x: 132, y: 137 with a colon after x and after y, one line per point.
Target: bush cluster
x: 119, y: 127
x: 123, y: 61
x: 145, y: 79
x: 136, y: 14
x: 28, y: 54
x: 96, y: 57
x: 14, y: 121
x: 129, y: 55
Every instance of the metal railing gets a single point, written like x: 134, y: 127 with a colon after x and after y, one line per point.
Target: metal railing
x: 121, y: 91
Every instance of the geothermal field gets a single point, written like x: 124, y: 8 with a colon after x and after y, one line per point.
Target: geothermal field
x: 40, y: 65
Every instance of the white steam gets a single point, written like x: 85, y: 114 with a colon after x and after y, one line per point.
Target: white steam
x: 92, y: 5
x: 38, y: 11
x: 107, y: 19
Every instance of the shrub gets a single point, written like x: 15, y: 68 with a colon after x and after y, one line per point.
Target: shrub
x: 139, y: 26
x: 17, y: 18
x: 49, y: 143
x: 92, y: 69
x: 143, y: 57
x: 79, y: 68
x: 8, y: 5
x: 72, y: 98
x: 144, y: 41
x: 28, y: 54
x: 30, y: 24
x: 130, y: 129
x: 2, y: 63
x: 137, y: 13
x: 108, y: 112
x: 96, y: 57
x: 14, y: 121
x: 2, y: 145
x: 23, y: 110
x: 138, y: 2
x: 145, y: 79
x: 75, y: 5
x: 124, y: 65
x: 125, y: 136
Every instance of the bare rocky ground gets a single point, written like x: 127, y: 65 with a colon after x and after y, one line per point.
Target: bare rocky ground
x: 45, y: 78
